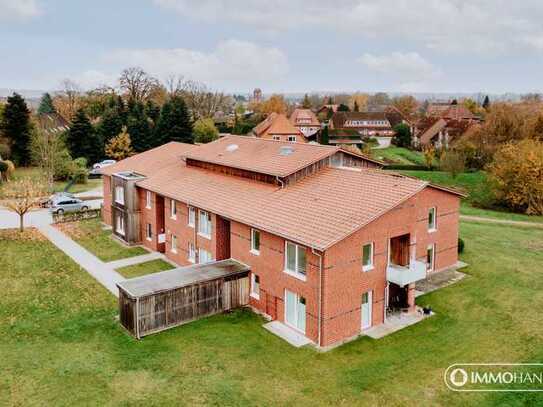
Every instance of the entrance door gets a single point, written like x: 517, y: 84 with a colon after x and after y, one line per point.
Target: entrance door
x: 295, y: 310
x: 366, y: 309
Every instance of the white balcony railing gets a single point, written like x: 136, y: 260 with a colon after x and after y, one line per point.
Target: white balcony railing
x: 404, y: 275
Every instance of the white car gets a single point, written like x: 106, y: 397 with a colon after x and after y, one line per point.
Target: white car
x: 103, y: 164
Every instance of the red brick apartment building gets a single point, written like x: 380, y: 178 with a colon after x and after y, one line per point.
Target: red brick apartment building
x: 332, y: 241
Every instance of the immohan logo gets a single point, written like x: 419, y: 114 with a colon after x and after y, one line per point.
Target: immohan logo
x: 495, y: 377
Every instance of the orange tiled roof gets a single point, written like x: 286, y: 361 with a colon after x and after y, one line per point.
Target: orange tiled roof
x: 317, y: 211
x: 264, y: 125
x: 259, y: 155
x: 281, y: 125
x: 305, y: 115
x: 152, y: 160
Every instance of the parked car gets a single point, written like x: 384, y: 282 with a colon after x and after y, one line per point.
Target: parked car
x: 64, y: 203
x: 103, y: 164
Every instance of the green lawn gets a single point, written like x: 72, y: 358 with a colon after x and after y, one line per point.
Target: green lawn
x: 62, y: 345
x: 34, y: 172
x: 91, y: 235
x: 142, y: 269
x: 475, y: 184
x: 399, y: 155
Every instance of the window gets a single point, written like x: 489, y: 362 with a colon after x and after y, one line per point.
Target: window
x: 295, y: 260
x: 149, y: 231
x: 192, y: 253
x: 119, y: 195
x: 277, y: 138
x: 148, y: 199
x: 432, y: 220
x: 204, y: 256
x: 174, y: 244
x: 430, y: 257
x: 192, y: 216
x: 367, y: 257
x: 292, y: 139
x: 255, y: 286
x: 204, y: 224
x: 295, y: 310
x: 255, y: 241
x: 173, y: 209
x: 119, y: 227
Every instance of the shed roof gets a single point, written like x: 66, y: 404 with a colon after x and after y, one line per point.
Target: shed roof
x: 181, y: 277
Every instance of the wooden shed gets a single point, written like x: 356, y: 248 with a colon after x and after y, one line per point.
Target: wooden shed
x: 159, y: 301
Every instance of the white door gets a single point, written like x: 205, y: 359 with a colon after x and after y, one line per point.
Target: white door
x: 295, y: 310
x: 366, y: 309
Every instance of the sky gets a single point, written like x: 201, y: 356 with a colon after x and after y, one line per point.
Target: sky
x: 489, y: 46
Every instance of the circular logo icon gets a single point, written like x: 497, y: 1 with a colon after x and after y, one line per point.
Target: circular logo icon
x: 458, y: 377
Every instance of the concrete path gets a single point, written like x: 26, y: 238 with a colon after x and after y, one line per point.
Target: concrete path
x: 468, y: 218
x: 136, y: 260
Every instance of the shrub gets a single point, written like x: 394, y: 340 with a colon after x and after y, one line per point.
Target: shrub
x: 402, y: 137
x: 3, y: 166
x: 205, y: 131
x: 453, y: 162
x: 79, y: 170
x: 460, y: 245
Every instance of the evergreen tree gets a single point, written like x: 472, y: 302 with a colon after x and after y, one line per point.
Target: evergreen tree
x: 343, y: 108
x: 82, y: 140
x: 138, y: 127
x: 486, y: 102
x: 356, y: 108
x: 324, y: 138
x: 174, y: 123
x: 306, y: 104
x: 330, y: 101
x: 402, y: 138
x: 46, y: 104
x: 152, y: 111
x: 16, y: 127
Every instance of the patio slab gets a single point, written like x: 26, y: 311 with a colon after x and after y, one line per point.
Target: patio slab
x: 395, y: 323
x: 288, y: 334
x: 440, y: 279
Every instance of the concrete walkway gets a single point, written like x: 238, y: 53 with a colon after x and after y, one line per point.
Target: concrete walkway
x: 468, y: 218
x: 130, y: 261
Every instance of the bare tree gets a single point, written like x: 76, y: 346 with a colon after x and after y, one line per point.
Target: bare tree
x: 47, y: 149
x: 137, y: 83
x: 204, y: 102
x: 23, y: 195
x: 68, y: 100
x: 175, y: 85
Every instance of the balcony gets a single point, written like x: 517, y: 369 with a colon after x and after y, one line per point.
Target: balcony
x: 404, y: 275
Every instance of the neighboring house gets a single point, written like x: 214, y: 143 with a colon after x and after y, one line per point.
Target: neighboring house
x: 277, y: 127
x: 333, y: 243
x: 327, y: 110
x: 52, y: 123
x: 451, y: 111
x: 357, y: 126
x: 306, y: 121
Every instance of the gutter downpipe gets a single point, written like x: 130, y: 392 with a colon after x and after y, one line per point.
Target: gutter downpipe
x: 320, y: 295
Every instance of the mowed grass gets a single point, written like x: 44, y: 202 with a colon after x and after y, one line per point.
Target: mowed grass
x: 399, y: 155
x: 62, y: 345
x: 91, y: 235
x: 36, y: 173
x: 149, y: 267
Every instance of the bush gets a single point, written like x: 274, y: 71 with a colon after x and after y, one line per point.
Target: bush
x: 3, y: 166
x: 79, y: 170
x: 453, y: 162
x: 408, y: 167
x: 5, y: 151
x: 402, y: 137
x: 63, y: 166
x: 460, y: 245
x: 205, y: 131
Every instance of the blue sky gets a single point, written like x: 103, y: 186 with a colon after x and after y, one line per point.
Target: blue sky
x: 492, y: 46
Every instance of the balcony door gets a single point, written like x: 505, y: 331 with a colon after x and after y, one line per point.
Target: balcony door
x: 295, y: 310
x: 367, y: 300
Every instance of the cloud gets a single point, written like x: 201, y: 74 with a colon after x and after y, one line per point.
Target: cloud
x: 462, y: 26
x: 410, y: 70
x: 19, y: 9
x: 231, y: 64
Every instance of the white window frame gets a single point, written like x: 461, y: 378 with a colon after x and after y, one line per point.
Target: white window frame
x: 291, y: 139
x: 276, y: 138
x: 204, y: 228
x: 119, y: 194
x: 173, y: 247
x: 300, y: 299
x: 149, y: 231
x: 295, y: 273
x: 255, y: 286
x: 254, y: 250
x: 173, y: 209
x: 431, y: 266
x: 119, y: 224
x: 432, y: 227
x: 192, y: 216
x: 191, y: 256
x: 368, y: 267
x: 148, y: 199
x: 208, y: 255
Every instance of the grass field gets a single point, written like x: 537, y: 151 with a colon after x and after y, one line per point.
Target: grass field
x: 399, y: 155
x: 149, y: 267
x: 90, y: 234
x: 61, y: 344
x: 34, y: 172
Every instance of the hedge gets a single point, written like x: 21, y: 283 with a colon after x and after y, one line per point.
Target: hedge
x: 76, y: 216
x: 408, y: 167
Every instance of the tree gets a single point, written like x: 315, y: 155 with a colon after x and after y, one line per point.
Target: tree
x: 82, y: 140
x: 201, y: 101
x: 152, y: 111
x: 379, y: 99
x: 407, y: 105
x: 343, y: 108
x: 486, y: 103
x: 46, y: 104
x: 23, y: 195
x: 276, y: 103
x: 306, y: 103
x: 174, y: 123
x: 359, y: 100
x: 355, y: 107
x: 137, y: 84
x: 16, y: 128
x: 111, y: 121
x: 325, y: 138
x: 471, y: 105
x: 47, y: 150
x: 429, y: 155
x: 453, y: 162
x: 68, y: 101
x: 120, y: 146
x: 402, y: 137
x: 205, y: 131
x: 139, y: 129
x: 517, y: 176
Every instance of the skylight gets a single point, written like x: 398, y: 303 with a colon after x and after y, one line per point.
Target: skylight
x: 232, y: 147
x: 286, y: 150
